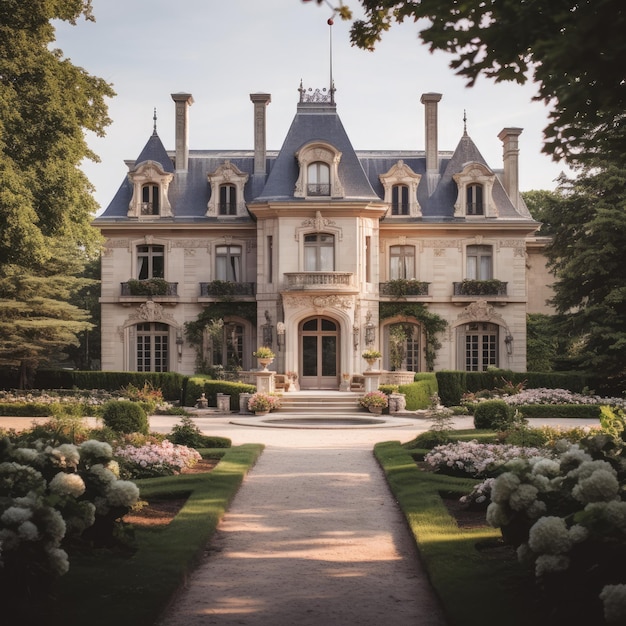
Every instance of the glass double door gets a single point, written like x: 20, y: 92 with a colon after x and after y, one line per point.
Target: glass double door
x: 319, y: 353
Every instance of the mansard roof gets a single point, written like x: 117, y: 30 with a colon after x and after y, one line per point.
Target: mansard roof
x: 155, y: 151
x: 316, y: 122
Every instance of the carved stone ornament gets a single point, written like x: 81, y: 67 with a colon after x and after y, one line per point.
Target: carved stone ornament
x: 318, y: 222
x: 319, y: 302
x: 480, y: 311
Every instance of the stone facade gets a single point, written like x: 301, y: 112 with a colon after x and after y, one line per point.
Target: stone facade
x: 317, y: 250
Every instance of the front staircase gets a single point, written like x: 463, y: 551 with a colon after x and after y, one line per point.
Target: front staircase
x: 320, y: 403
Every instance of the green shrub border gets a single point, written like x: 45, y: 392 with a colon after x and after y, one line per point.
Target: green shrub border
x: 418, y: 393
x: 474, y: 589
x: 197, y: 385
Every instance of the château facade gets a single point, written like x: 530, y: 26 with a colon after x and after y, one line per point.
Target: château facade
x: 319, y: 251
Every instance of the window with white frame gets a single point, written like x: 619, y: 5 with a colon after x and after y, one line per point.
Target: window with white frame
x: 150, y: 262
x: 152, y: 347
x: 228, y: 263
x: 401, y: 262
x: 150, y: 199
x: 474, y: 204
x: 400, y: 200
x: 481, y: 346
x: 319, y: 253
x: 318, y: 179
x: 479, y: 262
x: 228, y: 200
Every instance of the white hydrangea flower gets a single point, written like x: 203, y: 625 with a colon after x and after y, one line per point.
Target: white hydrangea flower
x: 523, y: 497
x: 504, y: 486
x: 16, y: 515
x: 58, y: 560
x: 114, y: 467
x: 55, y: 525
x: 122, y: 493
x: 524, y: 554
x: 613, y: 512
x: 550, y: 563
x: 70, y: 454
x: 105, y: 476
x: 573, y: 457
x: 28, y: 532
x: 25, y: 455
x: 578, y: 533
x: 9, y: 539
x: 536, y: 510
x: 549, y: 535
x: 586, y: 469
x: 496, y: 515
x: 67, y: 484
x: 614, y: 601
x: 93, y: 450
x: 601, y: 486
x: 545, y: 467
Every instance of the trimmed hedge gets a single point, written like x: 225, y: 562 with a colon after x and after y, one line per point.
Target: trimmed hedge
x: 197, y: 385
x: 171, y: 384
x: 492, y: 415
x: 561, y: 411
x: 418, y: 394
x: 453, y: 384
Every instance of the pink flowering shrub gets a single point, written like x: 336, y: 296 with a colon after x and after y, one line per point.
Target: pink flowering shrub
x: 155, y: 459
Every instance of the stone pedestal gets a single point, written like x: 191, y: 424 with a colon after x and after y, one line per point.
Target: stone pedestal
x: 372, y: 380
x: 264, y: 381
x: 243, y: 404
x: 202, y: 402
x: 397, y: 403
x: 223, y: 403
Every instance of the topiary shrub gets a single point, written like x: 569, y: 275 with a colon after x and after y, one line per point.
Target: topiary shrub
x: 493, y: 415
x: 186, y: 433
x: 124, y: 416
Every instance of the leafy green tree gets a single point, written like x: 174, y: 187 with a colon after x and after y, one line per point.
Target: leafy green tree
x: 573, y: 50
x: 46, y: 106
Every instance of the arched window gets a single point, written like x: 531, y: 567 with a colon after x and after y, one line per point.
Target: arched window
x: 319, y: 253
x: 403, y: 347
x: 228, y: 263
x: 400, y: 200
x: 228, y: 200
x: 481, y: 346
x: 150, y: 262
x: 150, y: 199
x: 479, y: 262
x: 318, y: 179
x: 401, y: 262
x: 474, y: 203
x: 152, y: 347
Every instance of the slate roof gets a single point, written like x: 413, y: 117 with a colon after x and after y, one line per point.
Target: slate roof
x: 359, y: 172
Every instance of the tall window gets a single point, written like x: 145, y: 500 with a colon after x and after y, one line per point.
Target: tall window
x: 401, y: 262
x: 402, y: 341
x: 152, y: 347
x: 150, y: 200
x: 475, y: 200
x: 400, y: 200
x: 319, y: 253
x: 228, y: 263
x: 227, y: 346
x: 150, y: 262
x: 318, y: 179
x: 481, y: 346
x: 228, y: 200
x: 479, y: 262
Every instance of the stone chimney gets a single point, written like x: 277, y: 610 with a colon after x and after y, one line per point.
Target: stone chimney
x: 183, y: 102
x: 430, y: 100
x: 510, y: 158
x: 260, y: 100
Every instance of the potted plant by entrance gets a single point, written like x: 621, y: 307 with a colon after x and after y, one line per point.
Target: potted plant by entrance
x: 264, y: 355
x: 260, y: 403
x: 371, y: 356
x: 374, y: 401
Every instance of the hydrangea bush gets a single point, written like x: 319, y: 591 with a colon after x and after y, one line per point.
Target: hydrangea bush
x: 567, y: 520
x: 50, y: 495
x: 156, y: 459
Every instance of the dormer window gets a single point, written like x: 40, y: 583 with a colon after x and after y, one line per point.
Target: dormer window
x: 474, y: 205
x: 400, y: 200
x: 318, y: 179
x: 228, y: 200
x: 319, y: 172
x: 400, y: 185
x: 150, y: 199
x: 475, y: 186
x: 227, y: 191
x: 150, y: 185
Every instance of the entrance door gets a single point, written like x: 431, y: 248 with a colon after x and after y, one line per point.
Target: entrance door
x: 319, y: 354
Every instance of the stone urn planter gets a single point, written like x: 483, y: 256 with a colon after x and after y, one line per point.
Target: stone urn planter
x: 376, y: 410
x: 265, y: 356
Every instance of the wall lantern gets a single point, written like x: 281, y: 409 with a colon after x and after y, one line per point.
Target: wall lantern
x: 508, y: 342
x: 370, y: 330
x: 179, y: 346
x: 268, y: 331
x: 280, y: 335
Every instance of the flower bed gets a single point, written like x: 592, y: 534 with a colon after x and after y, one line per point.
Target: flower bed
x: 156, y: 459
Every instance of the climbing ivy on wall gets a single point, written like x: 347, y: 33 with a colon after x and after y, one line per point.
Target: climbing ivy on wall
x: 430, y: 322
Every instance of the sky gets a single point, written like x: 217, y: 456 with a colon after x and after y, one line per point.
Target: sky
x: 221, y: 51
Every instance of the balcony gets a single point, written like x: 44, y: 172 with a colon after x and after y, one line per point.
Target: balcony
x: 226, y: 288
x: 492, y: 290
x: 402, y: 287
x: 319, y: 281
x: 156, y: 289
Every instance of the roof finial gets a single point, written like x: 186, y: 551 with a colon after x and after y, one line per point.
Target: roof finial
x: 464, y: 123
x: 330, y: 23
x: 154, y: 119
